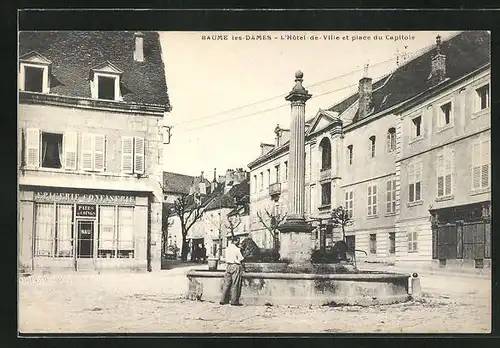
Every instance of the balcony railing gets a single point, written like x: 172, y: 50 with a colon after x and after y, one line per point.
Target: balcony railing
x: 325, y: 174
x: 275, y: 189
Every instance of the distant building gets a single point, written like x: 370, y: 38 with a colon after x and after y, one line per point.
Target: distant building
x: 407, y: 155
x: 91, y: 126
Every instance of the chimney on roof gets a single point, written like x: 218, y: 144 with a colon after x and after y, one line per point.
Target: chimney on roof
x: 202, y: 186
x: 139, y: 47
x: 438, y: 64
x: 213, y: 184
x: 365, y: 95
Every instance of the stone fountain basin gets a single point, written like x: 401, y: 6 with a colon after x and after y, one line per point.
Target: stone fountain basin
x: 291, y: 288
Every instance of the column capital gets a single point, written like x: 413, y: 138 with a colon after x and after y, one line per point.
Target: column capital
x: 298, y: 95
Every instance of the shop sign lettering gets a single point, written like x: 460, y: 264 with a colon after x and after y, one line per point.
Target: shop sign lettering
x: 87, y: 210
x: 46, y: 196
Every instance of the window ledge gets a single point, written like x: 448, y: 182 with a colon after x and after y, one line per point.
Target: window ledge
x: 480, y: 191
x: 442, y: 129
x: 324, y: 206
x: 369, y: 217
x: 481, y: 112
x: 412, y: 251
x: 412, y: 204
x: 445, y: 198
x: 390, y: 214
x: 415, y: 140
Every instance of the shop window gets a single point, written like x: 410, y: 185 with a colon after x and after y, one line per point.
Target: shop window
x: 373, y: 243
x: 116, y: 232
x: 53, y: 230
x: 52, y: 150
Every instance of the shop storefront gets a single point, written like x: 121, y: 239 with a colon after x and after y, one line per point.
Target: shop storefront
x: 83, y: 230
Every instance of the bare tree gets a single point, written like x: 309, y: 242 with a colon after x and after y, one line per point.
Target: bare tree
x: 341, y: 218
x: 233, y: 222
x: 188, y: 212
x: 271, y: 221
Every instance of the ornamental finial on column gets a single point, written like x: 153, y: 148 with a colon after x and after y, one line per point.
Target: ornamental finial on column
x: 298, y: 91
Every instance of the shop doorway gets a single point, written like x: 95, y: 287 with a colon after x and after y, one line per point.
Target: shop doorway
x: 85, y: 245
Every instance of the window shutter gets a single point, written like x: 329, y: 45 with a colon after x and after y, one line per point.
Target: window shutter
x: 87, y: 151
x: 99, y: 152
x: 440, y: 175
x: 476, y: 171
x: 139, y: 155
x: 70, y: 150
x: 33, y: 147
x: 485, y: 160
x: 449, y: 172
x: 127, y: 154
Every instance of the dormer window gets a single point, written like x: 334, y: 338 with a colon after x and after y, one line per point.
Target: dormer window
x: 34, y: 73
x: 105, y: 82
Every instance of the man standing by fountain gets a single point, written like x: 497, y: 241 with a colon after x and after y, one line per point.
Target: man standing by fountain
x: 233, y: 274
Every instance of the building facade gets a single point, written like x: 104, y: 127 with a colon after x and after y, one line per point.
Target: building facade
x: 91, y: 132
x: 375, y: 154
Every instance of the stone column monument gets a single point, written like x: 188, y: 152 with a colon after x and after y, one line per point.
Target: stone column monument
x: 295, y: 244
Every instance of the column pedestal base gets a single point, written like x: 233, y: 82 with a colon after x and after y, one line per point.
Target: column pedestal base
x: 296, y: 245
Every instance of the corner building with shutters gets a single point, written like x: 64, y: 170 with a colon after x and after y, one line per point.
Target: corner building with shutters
x: 91, y: 111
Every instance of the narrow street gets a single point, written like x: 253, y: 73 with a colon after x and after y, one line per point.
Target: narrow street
x: 154, y: 303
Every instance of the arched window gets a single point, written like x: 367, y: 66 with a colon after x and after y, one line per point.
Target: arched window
x: 372, y: 146
x: 391, y: 139
x: 326, y: 154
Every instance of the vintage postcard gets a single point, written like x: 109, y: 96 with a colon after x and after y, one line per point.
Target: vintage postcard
x: 254, y: 182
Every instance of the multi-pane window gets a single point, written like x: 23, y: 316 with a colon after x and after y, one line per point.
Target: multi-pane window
x: 326, y: 193
x: 116, y: 232
x: 371, y: 146
x: 445, y: 116
x: 133, y: 155
x: 392, y: 242
x: 445, y: 165
x: 481, y: 164
x: 391, y: 196
x: 268, y: 177
x: 391, y: 140
x: 415, y: 181
x: 326, y: 154
x: 277, y: 173
x: 349, y: 154
x: 372, y: 200
x: 261, y: 180
x: 255, y: 183
x: 54, y: 230
x: 373, y: 243
x: 483, y: 97
x: 349, y: 203
x: 416, y: 127
x: 286, y: 170
x: 412, y: 241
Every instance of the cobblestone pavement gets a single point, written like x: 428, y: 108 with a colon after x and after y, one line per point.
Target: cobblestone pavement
x: 154, y: 303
